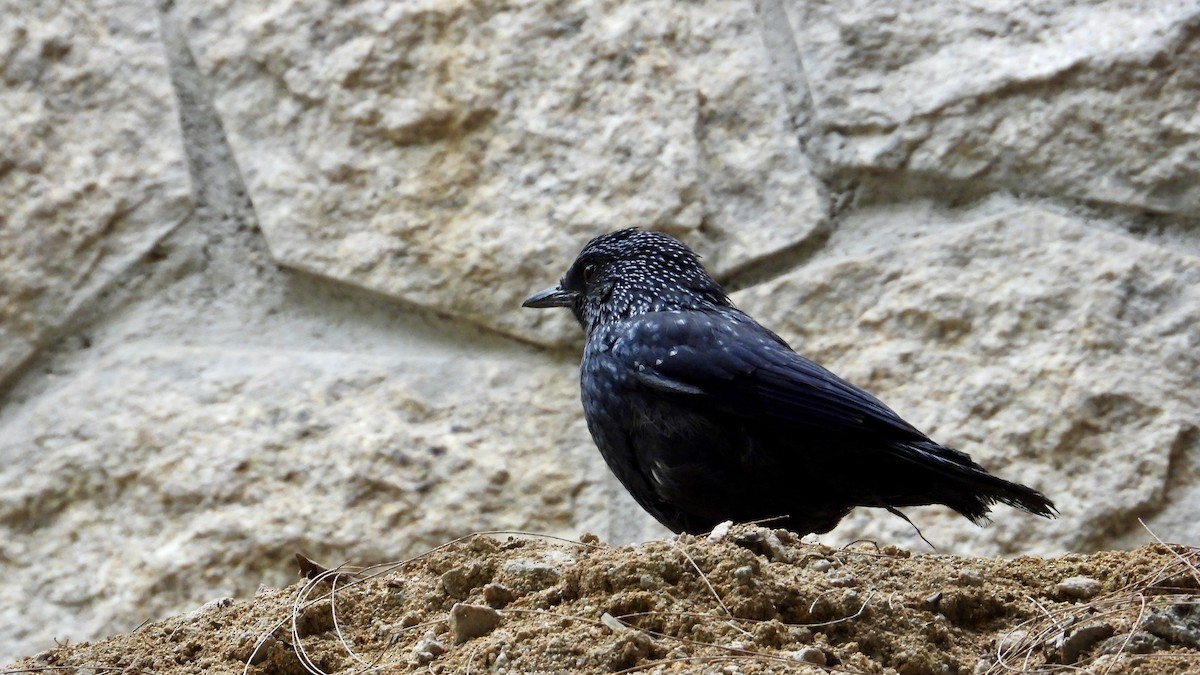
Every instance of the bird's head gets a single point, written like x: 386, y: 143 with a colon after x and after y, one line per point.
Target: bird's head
x: 631, y: 272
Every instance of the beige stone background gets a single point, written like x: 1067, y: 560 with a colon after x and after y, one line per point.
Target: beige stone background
x: 261, y: 262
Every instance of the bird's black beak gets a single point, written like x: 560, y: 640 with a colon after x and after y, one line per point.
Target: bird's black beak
x: 551, y: 297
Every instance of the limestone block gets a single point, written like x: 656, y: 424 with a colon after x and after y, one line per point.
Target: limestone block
x: 180, y: 475
x: 1057, y: 355
x: 457, y: 154
x: 1097, y: 100
x: 92, y: 169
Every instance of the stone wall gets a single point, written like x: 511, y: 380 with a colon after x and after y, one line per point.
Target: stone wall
x: 261, y: 265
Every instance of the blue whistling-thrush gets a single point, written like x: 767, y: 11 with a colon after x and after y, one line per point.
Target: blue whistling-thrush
x: 705, y: 416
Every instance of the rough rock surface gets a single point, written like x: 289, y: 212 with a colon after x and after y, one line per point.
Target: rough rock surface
x: 1026, y: 342
x: 434, y: 150
x: 693, y: 606
x: 251, y: 456
x: 1092, y: 99
x: 92, y: 170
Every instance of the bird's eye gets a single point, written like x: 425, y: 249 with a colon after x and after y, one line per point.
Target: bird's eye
x: 589, y: 273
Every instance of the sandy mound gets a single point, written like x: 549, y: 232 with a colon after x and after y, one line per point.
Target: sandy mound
x: 753, y: 601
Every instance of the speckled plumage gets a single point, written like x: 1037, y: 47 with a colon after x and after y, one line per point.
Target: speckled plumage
x: 706, y: 416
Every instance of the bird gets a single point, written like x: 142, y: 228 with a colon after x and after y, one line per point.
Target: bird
x: 706, y: 416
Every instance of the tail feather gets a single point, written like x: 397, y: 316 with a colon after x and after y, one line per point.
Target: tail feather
x: 970, y: 490
x: 991, y: 489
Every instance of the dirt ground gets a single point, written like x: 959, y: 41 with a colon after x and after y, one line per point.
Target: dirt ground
x: 752, y: 600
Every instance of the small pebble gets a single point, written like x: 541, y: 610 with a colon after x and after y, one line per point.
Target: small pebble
x: 428, y: 648
x: 811, y: 655
x: 1012, y: 640
x: 1083, y: 639
x: 720, y: 531
x: 969, y: 578
x: 778, y: 551
x: 254, y: 649
x: 498, y: 596
x: 1080, y: 588
x: 764, y: 542
x: 613, y: 623
x: 211, y: 605
x: 458, y: 583
x: 1136, y: 643
x: 1179, y: 625
x: 471, y: 621
x: 821, y: 565
x: 537, y: 573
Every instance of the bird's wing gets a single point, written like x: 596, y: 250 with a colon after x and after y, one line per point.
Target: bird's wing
x: 732, y: 362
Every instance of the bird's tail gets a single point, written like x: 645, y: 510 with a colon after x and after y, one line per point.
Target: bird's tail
x: 969, y: 489
x: 991, y: 489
